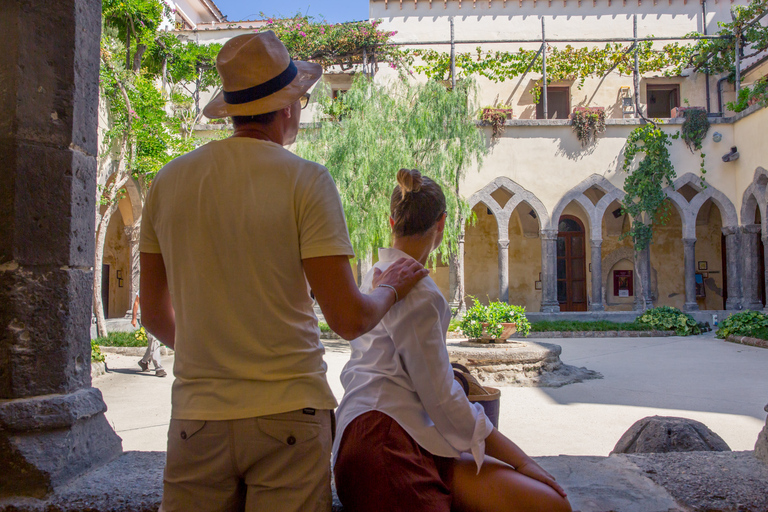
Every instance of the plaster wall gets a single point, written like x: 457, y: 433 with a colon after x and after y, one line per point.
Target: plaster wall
x: 117, y: 256
x: 709, y: 250
x: 667, y: 261
x: 749, y: 137
x: 611, y: 244
x: 481, y: 260
x: 524, y: 263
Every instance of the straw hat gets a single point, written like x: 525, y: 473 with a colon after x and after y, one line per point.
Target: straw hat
x: 258, y: 76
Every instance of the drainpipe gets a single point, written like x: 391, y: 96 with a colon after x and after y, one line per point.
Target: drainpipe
x: 704, y: 31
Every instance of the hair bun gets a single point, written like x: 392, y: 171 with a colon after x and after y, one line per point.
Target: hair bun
x: 409, y: 180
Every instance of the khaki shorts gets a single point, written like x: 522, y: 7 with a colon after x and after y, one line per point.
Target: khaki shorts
x: 380, y: 468
x: 271, y: 463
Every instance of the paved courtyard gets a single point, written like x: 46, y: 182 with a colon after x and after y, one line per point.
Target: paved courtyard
x: 723, y: 385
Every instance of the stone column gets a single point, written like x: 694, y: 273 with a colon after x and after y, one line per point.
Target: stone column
x: 456, y: 278
x: 689, y: 265
x: 764, y: 277
x: 642, y: 280
x: 133, y: 233
x: 52, y: 424
x: 597, y: 276
x: 750, y: 245
x: 503, y: 270
x: 733, y: 267
x: 549, y: 303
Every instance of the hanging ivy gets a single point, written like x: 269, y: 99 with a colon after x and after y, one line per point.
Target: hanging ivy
x: 587, y: 122
x: 645, y: 200
x: 693, y: 132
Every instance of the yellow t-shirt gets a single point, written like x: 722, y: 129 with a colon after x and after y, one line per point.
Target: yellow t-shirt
x: 233, y: 220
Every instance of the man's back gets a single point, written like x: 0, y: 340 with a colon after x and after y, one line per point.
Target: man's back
x: 233, y: 220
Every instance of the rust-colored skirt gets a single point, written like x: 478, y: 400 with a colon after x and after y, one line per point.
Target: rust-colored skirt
x: 380, y: 467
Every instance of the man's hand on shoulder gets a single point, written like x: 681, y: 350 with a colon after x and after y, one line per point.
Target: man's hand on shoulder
x: 402, y: 275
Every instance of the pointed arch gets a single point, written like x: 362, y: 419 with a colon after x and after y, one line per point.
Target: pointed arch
x: 594, y: 211
x: 519, y: 195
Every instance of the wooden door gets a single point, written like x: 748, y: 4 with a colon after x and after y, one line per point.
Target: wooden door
x: 571, y: 265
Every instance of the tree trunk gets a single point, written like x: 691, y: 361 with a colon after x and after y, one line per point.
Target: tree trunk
x: 140, y: 49
x: 101, y: 238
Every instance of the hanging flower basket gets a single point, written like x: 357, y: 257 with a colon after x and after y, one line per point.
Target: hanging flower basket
x: 496, y: 117
x: 680, y: 111
x: 587, y: 122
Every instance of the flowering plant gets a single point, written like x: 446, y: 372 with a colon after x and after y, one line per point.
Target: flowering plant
x: 490, y: 318
x: 329, y: 44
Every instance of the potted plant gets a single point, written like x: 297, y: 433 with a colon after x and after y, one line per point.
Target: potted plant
x: 587, y: 122
x: 496, y: 116
x: 495, y: 322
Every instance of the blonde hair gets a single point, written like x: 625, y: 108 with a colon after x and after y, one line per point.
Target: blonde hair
x: 417, y: 203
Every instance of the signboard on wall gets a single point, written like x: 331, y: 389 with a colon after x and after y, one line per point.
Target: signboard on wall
x: 622, y: 283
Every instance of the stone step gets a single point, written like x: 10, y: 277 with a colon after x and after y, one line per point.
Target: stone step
x: 672, y: 482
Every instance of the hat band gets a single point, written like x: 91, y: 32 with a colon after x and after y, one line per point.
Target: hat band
x: 260, y: 91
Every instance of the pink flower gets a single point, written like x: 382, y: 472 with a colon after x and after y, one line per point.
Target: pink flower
x: 270, y: 21
x: 303, y: 34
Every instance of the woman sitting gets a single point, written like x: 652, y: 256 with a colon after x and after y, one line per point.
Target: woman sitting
x: 407, y: 437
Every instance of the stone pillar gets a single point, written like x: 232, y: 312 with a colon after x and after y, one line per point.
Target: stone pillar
x: 597, y: 276
x: 733, y: 267
x: 750, y: 245
x: 549, y: 303
x: 689, y: 266
x: 456, y: 278
x: 642, y: 280
x: 133, y: 234
x: 52, y: 424
x: 761, y: 446
x: 503, y: 270
x: 764, y: 277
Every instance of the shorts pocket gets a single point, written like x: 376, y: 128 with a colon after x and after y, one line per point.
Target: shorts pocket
x: 186, y: 429
x: 289, y: 432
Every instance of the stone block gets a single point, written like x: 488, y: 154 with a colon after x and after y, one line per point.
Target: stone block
x: 35, y: 463
x: 45, y: 347
x: 55, y: 191
x: 761, y: 446
x: 53, y: 79
x: 664, y: 434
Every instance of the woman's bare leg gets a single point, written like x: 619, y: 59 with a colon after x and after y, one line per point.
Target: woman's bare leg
x: 498, y: 487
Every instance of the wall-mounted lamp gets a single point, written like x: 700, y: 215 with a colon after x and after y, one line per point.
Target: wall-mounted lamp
x: 717, y: 137
x: 732, y: 155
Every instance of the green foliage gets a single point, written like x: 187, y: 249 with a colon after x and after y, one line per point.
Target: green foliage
x: 598, y: 325
x: 693, y: 131
x: 96, y: 355
x: 405, y: 125
x: 587, y: 123
x: 135, y: 23
x: 717, y: 56
x: 334, y: 44
x: 567, y: 63
x: 746, y: 323
x: 454, y: 325
x: 758, y: 93
x: 645, y: 199
x: 122, y: 339
x: 666, y: 318
x: 496, y: 118
x: 324, y: 327
x: 494, y: 314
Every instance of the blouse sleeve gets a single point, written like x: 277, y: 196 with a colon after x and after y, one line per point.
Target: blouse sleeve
x: 419, y: 337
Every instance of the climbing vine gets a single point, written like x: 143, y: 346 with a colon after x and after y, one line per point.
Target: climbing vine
x: 645, y: 200
x: 567, y: 63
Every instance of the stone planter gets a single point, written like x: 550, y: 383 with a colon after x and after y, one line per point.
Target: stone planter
x: 679, y: 112
x: 506, y: 111
x: 508, y: 329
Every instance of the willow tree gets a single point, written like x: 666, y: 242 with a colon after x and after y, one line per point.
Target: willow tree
x: 372, y: 131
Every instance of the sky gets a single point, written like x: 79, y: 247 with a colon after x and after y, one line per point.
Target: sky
x: 335, y: 11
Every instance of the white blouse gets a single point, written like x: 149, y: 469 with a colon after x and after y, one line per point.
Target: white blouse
x: 401, y: 369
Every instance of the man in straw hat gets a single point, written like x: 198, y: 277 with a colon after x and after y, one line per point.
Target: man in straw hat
x: 232, y: 235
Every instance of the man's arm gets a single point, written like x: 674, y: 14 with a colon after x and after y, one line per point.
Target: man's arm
x: 157, y: 314
x: 349, y: 312
x: 135, y: 312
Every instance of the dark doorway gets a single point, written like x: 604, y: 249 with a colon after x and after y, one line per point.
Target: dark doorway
x: 105, y: 289
x: 761, y: 269
x: 661, y: 99
x: 558, y: 103
x: 571, y: 265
